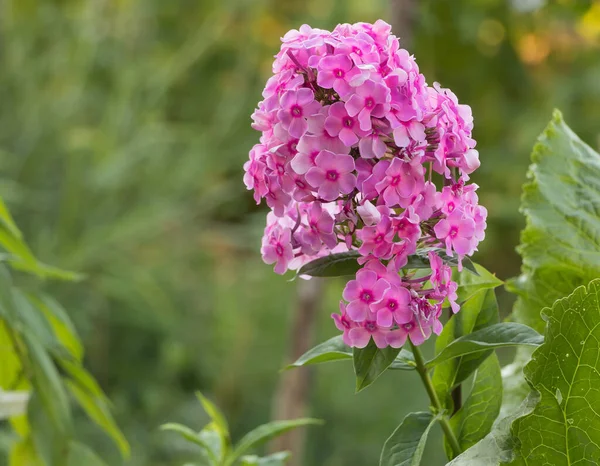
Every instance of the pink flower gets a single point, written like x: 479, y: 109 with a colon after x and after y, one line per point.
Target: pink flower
x: 413, y: 330
x: 295, y: 107
x: 278, y: 249
x: 319, y: 230
x: 377, y: 240
x: 370, y: 99
x: 360, y: 335
x: 332, y: 175
x: 372, y: 146
x: 342, y: 125
x: 397, y: 181
x: 344, y: 324
x: 457, y: 232
x: 362, y: 292
x: 334, y: 71
x: 393, y: 307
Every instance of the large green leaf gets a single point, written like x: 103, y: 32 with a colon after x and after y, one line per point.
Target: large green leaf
x: 470, y: 283
x: 475, y: 418
x: 560, y: 245
x: 498, y: 445
x: 80, y: 455
x: 370, y: 362
x: 406, y: 444
x: 495, y: 336
x: 480, y: 311
x: 333, y: 349
x: 264, y: 433
x: 565, y: 370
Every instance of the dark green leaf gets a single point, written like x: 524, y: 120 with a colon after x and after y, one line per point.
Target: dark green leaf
x: 406, y: 444
x: 81, y: 455
x: 48, y: 385
x: 333, y: 349
x: 494, y: 336
x: 475, y: 418
x: 370, y: 362
x: 565, y: 370
x: 265, y: 433
x: 405, y: 361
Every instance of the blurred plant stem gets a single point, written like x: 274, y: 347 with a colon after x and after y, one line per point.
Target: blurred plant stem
x: 291, y: 396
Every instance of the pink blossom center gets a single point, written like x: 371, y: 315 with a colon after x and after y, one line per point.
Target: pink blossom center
x: 453, y: 233
x: 296, y: 111
x: 369, y: 102
x: 357, y: 51
x: 332, y: 175
x: 371, y: 326
x: 279, y: 250
x: 348, y: 122
x: 339, y: 73
x: 408, y: 327
x: 451, y: 207
x: 392, y: 304
x: 396, y: 180
x: 378, y: 238
x: 300, y: 184
x: 366, y: 296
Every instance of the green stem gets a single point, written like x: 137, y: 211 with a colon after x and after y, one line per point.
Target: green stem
x: 435, y: 401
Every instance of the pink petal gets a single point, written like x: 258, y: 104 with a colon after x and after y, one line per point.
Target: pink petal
x: 384, y: 317
x: 304, y: 96
x: 347, y: 183
x: 348, y: 137
x: 351, y: 290
x: 354, y: 105
x: 315, y: 176
x: 380, y: 339
x: 359, y: 337
x: 396, y: 338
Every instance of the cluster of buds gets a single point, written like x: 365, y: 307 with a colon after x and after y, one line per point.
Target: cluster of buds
x: 358, y: 153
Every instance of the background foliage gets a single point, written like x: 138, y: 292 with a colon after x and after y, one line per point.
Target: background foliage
x: 123, y: 128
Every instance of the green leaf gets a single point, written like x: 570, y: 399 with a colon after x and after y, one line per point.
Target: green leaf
x: 90, y: 397
x: 406, y: 444
x: 475, y: 418
x: 333, y: 349
x: 405, y: 361
x: 494, y: 336
x: 469, y: 284
x: 191, y: 436
x: 80, y: 455
x: 345, y: 263
x: 478, y: 312
x: 8, y: 222
x: 276, y: 459
x: 219, y: 421
x: 560, y: 244
x: 370, y: 362
x: 498, y: 445
x: 264, y: 433
x: 13, y: 403
x: 48, y: 385
x: 565, y: 370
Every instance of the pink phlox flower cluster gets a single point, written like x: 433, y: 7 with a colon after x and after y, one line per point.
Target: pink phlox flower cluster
x: 358, y: 153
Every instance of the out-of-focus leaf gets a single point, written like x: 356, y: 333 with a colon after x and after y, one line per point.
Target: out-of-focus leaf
x: 276, y: 459
x: 48, y: 385
x: 81, y: 455
x: 13, y: 403
x: 469, y: 284
x: 333, y: 349
x: 475, y: 418
x: 218, y: 419
x: 565, y: 370
x: 370, y: 362
x: 264, y: 433
x: 191, y: 436
x: 8, y: 222
x: 406, y: 444
x: 560, y: 244
x: 23, y: 454
x: 495, y: 336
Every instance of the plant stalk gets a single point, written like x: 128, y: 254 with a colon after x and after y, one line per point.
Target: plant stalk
x: 435, y: 401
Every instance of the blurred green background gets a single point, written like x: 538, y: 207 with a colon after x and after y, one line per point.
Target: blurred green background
x: 124, y: 125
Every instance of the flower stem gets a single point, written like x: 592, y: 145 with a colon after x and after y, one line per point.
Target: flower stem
x: 435, y: 401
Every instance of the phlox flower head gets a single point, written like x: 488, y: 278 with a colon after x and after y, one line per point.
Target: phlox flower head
x: 358, y: 153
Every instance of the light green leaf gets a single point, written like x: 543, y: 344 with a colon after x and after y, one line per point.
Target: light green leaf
x: 498, y: 445
x: 333, y: 349
x: 495, y: 336
x: 475, y: 418
x: 478, y: 312
x: 469, y: 284
x: 48, y: 385
x: 565, y: 370
x: 8, y: 222
x: 23, y: 453
x: 90, y: 397
x: 560, y: 244
x: 192, y: 436
x: 219, y: 421
x: 370, y: 362
x: 406, y: 444
x: 264, y: 433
